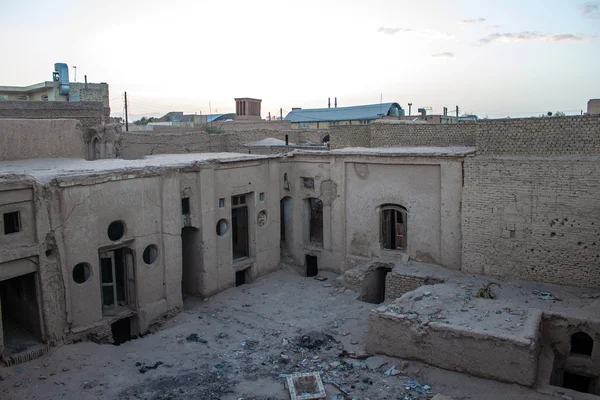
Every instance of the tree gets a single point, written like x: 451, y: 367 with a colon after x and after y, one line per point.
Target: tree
x: 560, y: 114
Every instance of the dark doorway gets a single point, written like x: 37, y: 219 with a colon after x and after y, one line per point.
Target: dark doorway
x: 191, y: 260
x: 312, y: 268
x: 239, y: 222
x: 374, y: 286
x: 121, y: 331
x: 285, y: 207
x: 240, y: 278
x: 20, y: 315
x: 578, y: 383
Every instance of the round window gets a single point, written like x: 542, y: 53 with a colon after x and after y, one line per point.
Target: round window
x: 150, y: 254
x: 222, y: 227
x: 81, y: 272
x: 116, y: 230
x: 261, y: 218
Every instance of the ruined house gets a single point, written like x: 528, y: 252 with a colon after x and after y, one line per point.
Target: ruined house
x: 102, y: 249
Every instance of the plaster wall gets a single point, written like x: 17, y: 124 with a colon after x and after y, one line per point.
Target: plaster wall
x: 429, y: 191
x: 22, y: 139
x: 150, y: 209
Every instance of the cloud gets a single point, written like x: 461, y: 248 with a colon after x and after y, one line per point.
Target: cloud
x: 493, y: 26
x: 530, y: 36
x: 392, y: 31
x: 591, y: 10
x: 445, y: 54
x: 473, y: 20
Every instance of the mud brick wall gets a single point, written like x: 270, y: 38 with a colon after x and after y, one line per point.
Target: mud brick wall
x: 235, y: 139
x: 564, y: 136
x: 397, y: 285
x: 534, y: 219
x: 89, y: 113
x: 434, y: 135
x: 349, y: 136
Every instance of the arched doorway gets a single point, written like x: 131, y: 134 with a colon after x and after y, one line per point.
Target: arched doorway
x: 191, y: 257
x: 96, y: 152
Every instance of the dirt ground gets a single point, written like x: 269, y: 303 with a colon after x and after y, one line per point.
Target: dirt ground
x: 240, y: 344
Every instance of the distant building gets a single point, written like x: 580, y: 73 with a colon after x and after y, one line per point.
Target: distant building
x: 323, y: 118
x: 59, y: 89
x: 593, y: 107
x: 247, y: 108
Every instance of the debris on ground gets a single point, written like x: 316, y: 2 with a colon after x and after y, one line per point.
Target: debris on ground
x: 314, y: 340
x: 195, y: 338
x: 486, y: 291
x: 320, y: 278
x: 147, y: 368
x: 545, y: 295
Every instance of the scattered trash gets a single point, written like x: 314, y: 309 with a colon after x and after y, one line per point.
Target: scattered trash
x: 147, y: 368
x: 195, y: 338
x: 305, y: 386
x: 412, y: 385
x: 284, y: 358
x: 218, y: 366
x: 486, y: 291
x: 508, y: 319
x: 223, y: 335
x: 320, y: 278
x: 327, y: 285
x: 545, y: 295
x: 355, y: 356
x: 250, y: 344
x: 590, y: 296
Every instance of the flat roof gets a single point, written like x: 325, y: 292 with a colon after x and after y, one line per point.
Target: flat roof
x: 45, y: 170
x: 454, y: 151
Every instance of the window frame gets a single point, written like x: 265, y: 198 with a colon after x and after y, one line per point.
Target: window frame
x: 382, y: 233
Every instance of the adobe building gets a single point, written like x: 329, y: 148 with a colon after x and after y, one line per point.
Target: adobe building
x: 406, y: 213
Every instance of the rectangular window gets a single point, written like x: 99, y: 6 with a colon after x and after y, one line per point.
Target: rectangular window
x: 393, y: 228
x: 316, y: 220
x: 261, y: 196
x: 308, y: 183
x: 12, y: 222
x: 185, y: 206
x: 240, y: 232
x: 221, y: 203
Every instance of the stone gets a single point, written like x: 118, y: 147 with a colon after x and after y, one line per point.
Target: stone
x: 440, y: 396
x: 375, y: 362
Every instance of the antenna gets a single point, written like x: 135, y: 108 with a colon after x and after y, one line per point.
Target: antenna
x: 75, y: 77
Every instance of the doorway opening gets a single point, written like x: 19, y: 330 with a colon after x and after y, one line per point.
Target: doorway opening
x: 20, y: 322
x: 579, y: 383
x: 373, y: 290
x: 241, y: 277
x: 240, y: 231
x: 315, y: 221
x: 285, y: 234
x: 117, y: 276
x: 121, y: 331
x: 312, y: 268
x: 191, y: 260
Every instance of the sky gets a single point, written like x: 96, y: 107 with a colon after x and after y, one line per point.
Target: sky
x: 491, y: 58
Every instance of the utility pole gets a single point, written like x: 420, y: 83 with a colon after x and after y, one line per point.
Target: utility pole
x: 75, y: 68
x: 126, y: 116
x: 456, y: 113
x: 281, y: 114
x: 409, y: 109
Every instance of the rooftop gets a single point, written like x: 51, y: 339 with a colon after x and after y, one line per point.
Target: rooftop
x: 364, y: 112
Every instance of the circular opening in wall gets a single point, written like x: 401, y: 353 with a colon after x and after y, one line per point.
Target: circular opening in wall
x: 81, y: 272
x: 116, y: 230
x: 261, y: 218
x: 150, y: 254
x: 222, y: 227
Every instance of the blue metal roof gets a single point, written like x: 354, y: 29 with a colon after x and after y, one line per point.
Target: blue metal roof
x: 368, y: 112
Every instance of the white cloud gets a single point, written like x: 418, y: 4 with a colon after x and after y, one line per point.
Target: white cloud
x: 530, y: 36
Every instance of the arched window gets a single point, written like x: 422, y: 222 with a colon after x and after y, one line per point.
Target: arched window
x: 393, y: 227
x: 582, y: 343
x: 96, y: 154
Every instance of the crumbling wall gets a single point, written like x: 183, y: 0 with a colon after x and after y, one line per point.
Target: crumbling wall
x: 496, y: 356
x: 22, y: 139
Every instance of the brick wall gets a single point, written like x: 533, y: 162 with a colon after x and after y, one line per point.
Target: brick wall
x: 396, y: 285
x: 578, y: 135
x: 535, y: 219
x: 88, y: 113
x: 235, y: 139
x: 350, y: 136
x: 394, y: 133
